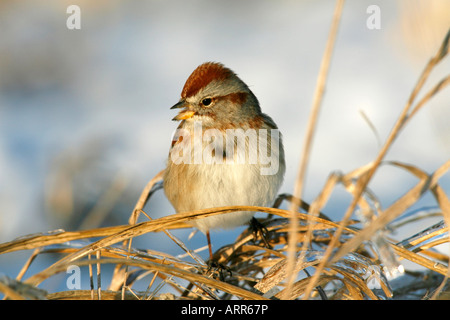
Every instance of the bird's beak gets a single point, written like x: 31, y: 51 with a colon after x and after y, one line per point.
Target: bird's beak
x: 179, y: 105
x: 185, y: 113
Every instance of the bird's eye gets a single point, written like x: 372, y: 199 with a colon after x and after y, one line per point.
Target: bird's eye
x: 206, y: 101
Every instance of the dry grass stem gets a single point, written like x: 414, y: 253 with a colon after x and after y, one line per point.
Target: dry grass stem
x: 362, y: 183
x: 312, y: 122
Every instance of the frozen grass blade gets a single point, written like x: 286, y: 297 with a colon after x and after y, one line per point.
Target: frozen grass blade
x: 364, y: 180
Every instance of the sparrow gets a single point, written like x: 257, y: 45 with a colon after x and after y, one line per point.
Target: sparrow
x: 224, y: 152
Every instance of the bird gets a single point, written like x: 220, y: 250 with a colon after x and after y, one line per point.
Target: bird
x: 224, y: 152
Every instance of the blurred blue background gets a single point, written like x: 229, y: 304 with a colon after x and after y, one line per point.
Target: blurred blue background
x: 85, y: 119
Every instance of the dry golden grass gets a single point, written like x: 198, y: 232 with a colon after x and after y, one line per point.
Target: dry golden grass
x: 345, y: 258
